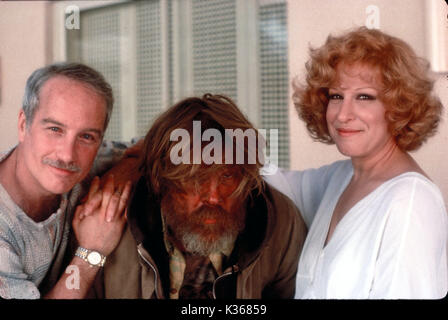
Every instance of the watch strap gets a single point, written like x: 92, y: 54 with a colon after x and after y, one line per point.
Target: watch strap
x: 83, y: 253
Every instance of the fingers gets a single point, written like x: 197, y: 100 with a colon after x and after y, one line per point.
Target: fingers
x: 118, y: 202
x: 91, y: 205
x: 110, y: 200
x: 125, y: 197
x: 94, y: 186
x: 77, y: 215
x: 108, y: 191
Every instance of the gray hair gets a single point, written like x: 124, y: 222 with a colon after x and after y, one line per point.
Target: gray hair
x: 74, y: 71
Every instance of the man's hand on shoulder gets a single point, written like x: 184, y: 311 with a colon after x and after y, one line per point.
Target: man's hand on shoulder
x: 99, y: 221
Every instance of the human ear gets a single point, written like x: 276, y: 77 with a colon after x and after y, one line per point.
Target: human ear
x: 22, y: 126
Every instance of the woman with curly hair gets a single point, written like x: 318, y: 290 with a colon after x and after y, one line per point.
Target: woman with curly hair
x: 378, y: 224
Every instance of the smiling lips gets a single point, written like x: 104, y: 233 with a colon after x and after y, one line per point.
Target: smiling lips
x: 347, y: 132
x: 62, y: 172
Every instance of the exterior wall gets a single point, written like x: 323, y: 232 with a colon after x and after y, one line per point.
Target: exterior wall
x: 24, y: 46
x: 28, y: 40
x: 311, y: 21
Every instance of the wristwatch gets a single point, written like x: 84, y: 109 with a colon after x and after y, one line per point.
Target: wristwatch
x: 92, y: 257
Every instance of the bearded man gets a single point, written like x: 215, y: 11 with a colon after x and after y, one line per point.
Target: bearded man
x: 206, y: 226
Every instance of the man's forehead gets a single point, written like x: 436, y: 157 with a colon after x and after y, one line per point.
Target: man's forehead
x: 215, y: 170
x: 60, y: 84
x: 203, y: 173
x: 64, y: 100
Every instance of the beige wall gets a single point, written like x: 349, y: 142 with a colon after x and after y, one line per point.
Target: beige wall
x: 311, y: 21
x: 26, y: 42
x: 24, y: 46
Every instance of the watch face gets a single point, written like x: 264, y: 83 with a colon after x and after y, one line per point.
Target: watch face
x: 94, y: 258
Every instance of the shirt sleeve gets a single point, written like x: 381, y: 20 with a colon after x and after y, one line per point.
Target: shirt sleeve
x: 412, y: 259
x: 14, y: 282
x: 305, y: 188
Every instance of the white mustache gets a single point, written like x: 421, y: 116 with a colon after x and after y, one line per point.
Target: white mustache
x: 61, y: 165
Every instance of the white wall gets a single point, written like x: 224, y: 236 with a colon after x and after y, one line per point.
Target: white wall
x: 27, y: 41
x: 310, y: 22
x: 24, y: 46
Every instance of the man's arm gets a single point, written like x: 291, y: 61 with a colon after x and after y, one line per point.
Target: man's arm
x: 123, y: 165
x: 112, y: 153
x: 121, y: 159
x: 98, y: 225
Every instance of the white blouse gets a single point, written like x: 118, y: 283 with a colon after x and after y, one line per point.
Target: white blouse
x: 391, y: 245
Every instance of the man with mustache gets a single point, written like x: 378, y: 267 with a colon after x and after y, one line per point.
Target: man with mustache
x: 199, y: 228
x: 66, y: 109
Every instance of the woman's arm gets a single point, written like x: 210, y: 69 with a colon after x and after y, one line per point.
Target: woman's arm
x: 305, y: 188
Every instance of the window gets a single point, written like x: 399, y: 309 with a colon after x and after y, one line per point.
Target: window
x: 156, y: 52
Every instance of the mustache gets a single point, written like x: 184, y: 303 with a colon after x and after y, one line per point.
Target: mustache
x: 224, y: 220
x: 61, y: 165
x: 207, y: 210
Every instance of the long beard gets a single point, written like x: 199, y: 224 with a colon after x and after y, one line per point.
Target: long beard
x: 207, y: 229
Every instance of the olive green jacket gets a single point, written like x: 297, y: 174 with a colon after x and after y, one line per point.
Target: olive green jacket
x: 263, y: 263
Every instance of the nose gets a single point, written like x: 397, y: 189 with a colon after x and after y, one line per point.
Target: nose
x: 211, y: 194
x: 67, y: 150
x: 345, y: 111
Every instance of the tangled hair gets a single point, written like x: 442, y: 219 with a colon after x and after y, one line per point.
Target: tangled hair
x: 215, y: 112
x: 412, y: 113
x: 74, y: 71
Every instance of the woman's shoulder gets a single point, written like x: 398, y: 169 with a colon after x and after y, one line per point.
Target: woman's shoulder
x: 413, y: 189
x: 289, y: 181
x: 413, y: 181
